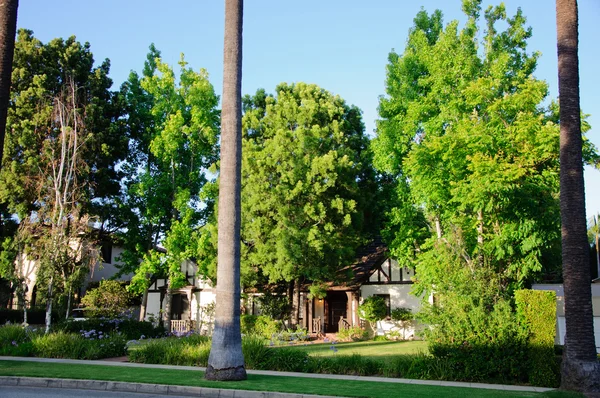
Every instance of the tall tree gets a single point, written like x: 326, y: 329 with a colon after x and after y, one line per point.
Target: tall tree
x: 309, y: 190
x: 8, y: 30
x: 64, y: 141
x: 174, y: 130
x: 472, y: 148
x: 580, y: 366
x: 226, y: 361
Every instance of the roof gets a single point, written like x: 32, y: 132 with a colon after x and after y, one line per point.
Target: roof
x: 368, y: 258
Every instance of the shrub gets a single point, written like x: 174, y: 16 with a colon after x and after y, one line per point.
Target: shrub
x: 373, y: 309
x: 259, y: 325
x: 354, y: 333
x: 130, y: 328
x: 479, y: 342
x: 255, y: 352
x: 274, y: 306
x: 88, y: 345
x: 286, y: 359
x: 15, y: 340
x: 265, y: 326
x: 109, y: 299
x: 536, y: 311
x: 191, y: 350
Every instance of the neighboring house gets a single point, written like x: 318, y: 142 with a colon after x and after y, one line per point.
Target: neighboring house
x: 374, y: 273
x: 106, y: 268
x: 560, y: 309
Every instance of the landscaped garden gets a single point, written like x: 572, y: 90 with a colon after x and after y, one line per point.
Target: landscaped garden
x: 510, y: 359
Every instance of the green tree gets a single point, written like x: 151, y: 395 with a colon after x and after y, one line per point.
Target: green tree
x: 474, y: 152
x: 309, y: 190
x: 41, y: 72
x: 174, y: 130
x: 226, y: 361
x: 64, y: 142
x: 580, y: 366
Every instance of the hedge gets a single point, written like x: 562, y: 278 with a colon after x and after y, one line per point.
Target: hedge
x: 536, y: 311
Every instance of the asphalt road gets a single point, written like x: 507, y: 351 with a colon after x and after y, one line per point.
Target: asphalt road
x: 35, y: 392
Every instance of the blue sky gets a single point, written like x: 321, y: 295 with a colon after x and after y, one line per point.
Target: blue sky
x: 341, y: 45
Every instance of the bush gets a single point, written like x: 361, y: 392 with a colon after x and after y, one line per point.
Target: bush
x: 130, y: 328
x: 373, y: 309
x: 191, y: 350
x: 354, y: 333
x: 479, y: 343
x: 15, y: 340
x: 109, y: 299
x: 88, y: 345
x: 536, y: 311
x: 260, y: 325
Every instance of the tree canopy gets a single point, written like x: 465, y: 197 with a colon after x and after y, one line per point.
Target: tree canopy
x: 464, y: 131
x: 309, y: 189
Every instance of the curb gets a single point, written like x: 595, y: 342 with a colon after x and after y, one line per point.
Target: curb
x: 159, y: 389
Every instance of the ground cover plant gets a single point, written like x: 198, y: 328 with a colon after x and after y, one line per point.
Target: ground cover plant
x: 16, y: 340
x: 346, y: 388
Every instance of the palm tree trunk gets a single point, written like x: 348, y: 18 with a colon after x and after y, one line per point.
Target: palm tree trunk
x: 8, y: 30
x: 580, y: 368
x: 226, y: 361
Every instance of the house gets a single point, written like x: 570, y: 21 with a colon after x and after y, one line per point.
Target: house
x: 560, y: 309
x: 374, y: 273
x: 106, y: 268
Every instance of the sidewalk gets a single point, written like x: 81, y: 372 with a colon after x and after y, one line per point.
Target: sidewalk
x: 213, y: 392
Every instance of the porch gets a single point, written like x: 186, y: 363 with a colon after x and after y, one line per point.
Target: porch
x: 338, y: 310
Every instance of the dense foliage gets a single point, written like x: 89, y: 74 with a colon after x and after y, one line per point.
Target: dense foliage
x: 474, y: 152
x: 109, y: 299
x: 536, y: 310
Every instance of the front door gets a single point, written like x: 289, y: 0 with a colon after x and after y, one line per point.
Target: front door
x: 337, y: 304
x: 180, y: 307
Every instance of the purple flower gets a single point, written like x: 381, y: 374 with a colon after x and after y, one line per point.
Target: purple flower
x: 14, y: 343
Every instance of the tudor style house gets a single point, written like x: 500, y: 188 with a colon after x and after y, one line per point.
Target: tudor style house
x: 372, y: 274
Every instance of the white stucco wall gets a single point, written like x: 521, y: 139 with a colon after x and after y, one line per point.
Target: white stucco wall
x: 400, y: 297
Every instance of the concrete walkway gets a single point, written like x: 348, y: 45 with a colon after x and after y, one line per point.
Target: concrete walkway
x: 213, y: 392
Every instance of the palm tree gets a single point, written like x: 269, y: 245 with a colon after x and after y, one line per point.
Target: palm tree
x: 580, y: 367
x: 8, y: 30
x: 226, y: 361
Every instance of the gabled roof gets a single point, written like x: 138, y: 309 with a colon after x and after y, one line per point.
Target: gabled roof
x: 368, y: 259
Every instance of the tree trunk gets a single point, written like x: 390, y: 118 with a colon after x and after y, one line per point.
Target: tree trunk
x: 49, y: 306
x: 580, y: 368
x: 226, y: 361
x: 144, y: 305
x: 8, y: 30
x: 295, y: 320
x: 168, y: 306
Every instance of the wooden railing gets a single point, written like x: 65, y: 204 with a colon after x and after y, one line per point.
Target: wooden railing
x: 180, y: 327
x: 343, y: 324
x: 317, y: 326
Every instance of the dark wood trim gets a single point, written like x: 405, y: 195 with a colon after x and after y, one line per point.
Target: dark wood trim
x: 389, y: 283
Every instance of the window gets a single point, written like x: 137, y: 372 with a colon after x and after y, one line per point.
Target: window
x: 106, y: 252
x: 386, y: 297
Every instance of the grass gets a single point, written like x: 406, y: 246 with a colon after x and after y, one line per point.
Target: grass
x: 368, y: 349
x: 347, y: 388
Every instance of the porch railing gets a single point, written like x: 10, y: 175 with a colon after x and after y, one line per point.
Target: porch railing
x: 182, y: 326
x: 343, y: 324
x: 317, y: 326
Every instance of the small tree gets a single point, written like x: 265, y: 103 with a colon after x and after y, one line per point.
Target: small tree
x: 110, y: 299
x: 403, y: 317
x: 373, y: 309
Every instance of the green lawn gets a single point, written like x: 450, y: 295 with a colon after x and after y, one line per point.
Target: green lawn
x: 371, y: 349
x: 347, y: 388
